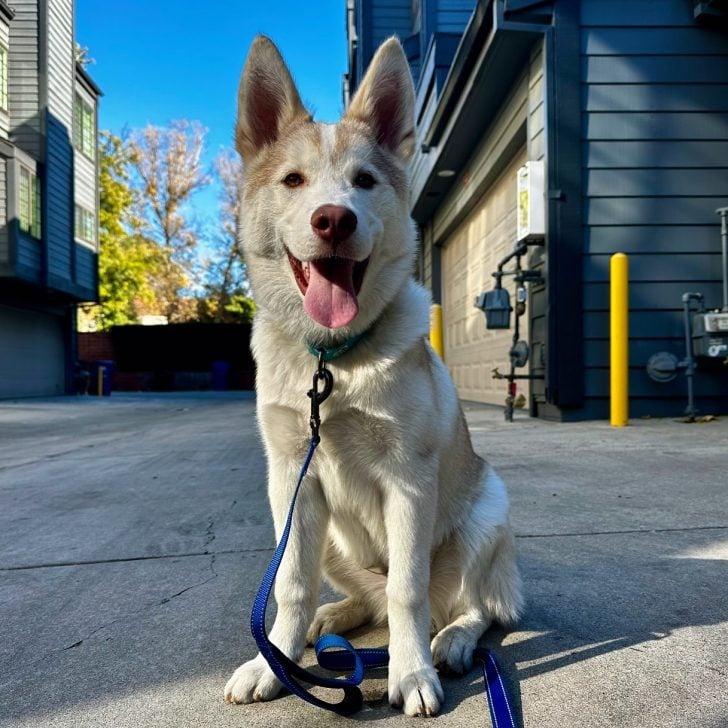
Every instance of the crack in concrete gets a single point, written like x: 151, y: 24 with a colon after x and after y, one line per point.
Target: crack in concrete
x: 210, y: 537
x: 146, y: 607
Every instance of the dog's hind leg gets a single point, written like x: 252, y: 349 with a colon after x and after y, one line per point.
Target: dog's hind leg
x: 490, y: 592
x: 365, y: 597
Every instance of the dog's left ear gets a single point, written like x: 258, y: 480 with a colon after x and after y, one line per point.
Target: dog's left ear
x: 267, y: 99
x: 385, y: 100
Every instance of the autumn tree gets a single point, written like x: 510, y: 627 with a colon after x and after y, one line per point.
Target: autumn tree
x: 226, y: 289
x: 169, y: 171
x: 128, y: 262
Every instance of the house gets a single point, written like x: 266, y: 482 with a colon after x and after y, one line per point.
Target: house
x: 621, y: 106
x: 48, y: 195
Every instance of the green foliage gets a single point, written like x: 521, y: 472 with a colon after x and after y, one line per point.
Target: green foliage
x: 128, y: 261
x: 236, y: 309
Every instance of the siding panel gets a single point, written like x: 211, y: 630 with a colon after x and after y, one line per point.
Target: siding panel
x: 655, y: 153
x: 86, y: 267
x: 4, y: 249
x: 59, y: 208
x: 23, y: 86
x: 61, y: 69
x: 655, y: 129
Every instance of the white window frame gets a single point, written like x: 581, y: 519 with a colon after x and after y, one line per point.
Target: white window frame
x: 30, y: 208
x: 84, y: 225
x: 84, y: 134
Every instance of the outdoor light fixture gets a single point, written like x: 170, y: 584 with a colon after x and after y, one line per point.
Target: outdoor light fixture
x: 446, y: 173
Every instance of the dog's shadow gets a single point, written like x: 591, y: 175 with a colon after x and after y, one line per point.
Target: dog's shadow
x: 579, y: 608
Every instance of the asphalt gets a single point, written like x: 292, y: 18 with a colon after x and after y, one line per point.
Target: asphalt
x: 134, y: 531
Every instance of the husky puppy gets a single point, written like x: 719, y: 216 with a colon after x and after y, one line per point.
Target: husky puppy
x: 397, y: 512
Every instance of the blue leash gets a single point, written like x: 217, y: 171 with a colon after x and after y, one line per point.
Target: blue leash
x: 344, y: 656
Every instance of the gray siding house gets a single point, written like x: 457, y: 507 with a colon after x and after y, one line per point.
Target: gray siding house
x: 623, y: 105
x: 48, y: 196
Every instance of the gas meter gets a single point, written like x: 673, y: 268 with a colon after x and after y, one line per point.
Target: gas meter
x: 710, y: 334
x: 497, y: 307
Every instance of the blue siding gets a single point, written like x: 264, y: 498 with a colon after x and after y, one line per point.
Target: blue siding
x: 453, y: 15
x: 655, y: 129
x: 59, y: 201
x: 29, y: 256
x: 86, y: 267
x: 417, y: 20
x: 390, y: 17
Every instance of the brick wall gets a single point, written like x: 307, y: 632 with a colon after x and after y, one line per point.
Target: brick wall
x: 95, y: 346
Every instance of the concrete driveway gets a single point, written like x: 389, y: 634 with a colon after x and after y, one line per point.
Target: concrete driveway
x: 134, y: 531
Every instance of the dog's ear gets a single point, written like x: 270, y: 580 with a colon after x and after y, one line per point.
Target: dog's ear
x: 267, y: 99
x: 385, y: 100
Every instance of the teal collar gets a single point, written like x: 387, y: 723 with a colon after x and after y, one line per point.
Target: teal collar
x: 334, y: 352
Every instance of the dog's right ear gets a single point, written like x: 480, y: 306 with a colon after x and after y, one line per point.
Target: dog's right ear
x: 267, y: 99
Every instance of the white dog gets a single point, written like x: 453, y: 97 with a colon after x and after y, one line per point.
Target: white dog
x: 397, y: 511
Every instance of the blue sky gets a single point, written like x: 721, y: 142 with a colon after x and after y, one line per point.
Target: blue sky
x: 159, y: 60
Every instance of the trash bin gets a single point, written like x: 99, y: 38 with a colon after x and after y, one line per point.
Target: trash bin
x: 221, y: 375
x: 102, y: 372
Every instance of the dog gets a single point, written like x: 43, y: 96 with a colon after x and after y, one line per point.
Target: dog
x: 397, y: 511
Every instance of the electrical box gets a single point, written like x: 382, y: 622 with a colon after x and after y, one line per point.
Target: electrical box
x: 710, y: 334
x: 531, y: 201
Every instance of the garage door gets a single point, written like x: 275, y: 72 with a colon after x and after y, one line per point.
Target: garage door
x: 469, y: 257
x: 32, y: 353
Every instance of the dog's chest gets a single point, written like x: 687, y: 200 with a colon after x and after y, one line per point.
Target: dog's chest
x: 350, y: 464
x: 355, y: 446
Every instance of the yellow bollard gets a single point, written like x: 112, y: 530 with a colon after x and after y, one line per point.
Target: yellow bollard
x: 100, y: 382
x: 436, y: 329
x: 619, y: 339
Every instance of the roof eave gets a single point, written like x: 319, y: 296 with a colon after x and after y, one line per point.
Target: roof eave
x: 83, y: 75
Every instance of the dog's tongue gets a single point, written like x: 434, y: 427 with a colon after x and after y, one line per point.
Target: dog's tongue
x: 330, y: 299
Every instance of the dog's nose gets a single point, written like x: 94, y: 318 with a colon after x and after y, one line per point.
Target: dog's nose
x: 333, y: 223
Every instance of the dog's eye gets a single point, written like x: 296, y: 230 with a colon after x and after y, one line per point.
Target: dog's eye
x: 294, y: 179
x: 364, y: 180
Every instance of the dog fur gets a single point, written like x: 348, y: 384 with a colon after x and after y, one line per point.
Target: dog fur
x: 397, y: 512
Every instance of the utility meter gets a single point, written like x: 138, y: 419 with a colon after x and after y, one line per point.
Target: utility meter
x: 710, y: 334
x: 531, y: 202
x: 497, y: 307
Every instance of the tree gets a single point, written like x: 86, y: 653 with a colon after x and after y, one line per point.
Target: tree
x: 226, y: 287
x: 169, y: 170
x: 128, y: 262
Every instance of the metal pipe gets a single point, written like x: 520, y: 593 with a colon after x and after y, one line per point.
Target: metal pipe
x: 690, y: 365
x: 619, y: 340
x: 723, y: 212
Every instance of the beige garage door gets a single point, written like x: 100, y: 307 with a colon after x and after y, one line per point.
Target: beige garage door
x: 469, y: 257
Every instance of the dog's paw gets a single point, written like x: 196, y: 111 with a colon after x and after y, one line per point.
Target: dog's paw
x: 453, y: 648
x: 252, y: 682
x: 416, y: 691
x: 337, y: 618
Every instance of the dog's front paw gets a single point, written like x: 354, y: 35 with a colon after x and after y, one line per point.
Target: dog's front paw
x: 252, y: 682
x: 416, y: 690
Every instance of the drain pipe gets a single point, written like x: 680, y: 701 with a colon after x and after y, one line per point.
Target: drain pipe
x: 723, y: 212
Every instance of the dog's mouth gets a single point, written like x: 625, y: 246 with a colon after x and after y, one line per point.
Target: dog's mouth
x: 330, y: 287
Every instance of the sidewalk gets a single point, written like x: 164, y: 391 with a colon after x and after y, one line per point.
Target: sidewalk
x: 134, y: 531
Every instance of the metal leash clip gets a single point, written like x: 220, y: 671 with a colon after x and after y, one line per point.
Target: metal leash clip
x: 322, y: 374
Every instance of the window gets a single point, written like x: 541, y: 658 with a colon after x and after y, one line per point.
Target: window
x: 29, y: 203
x: 85, y: 225
x: 3, y: 78
x: 84, y: 127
